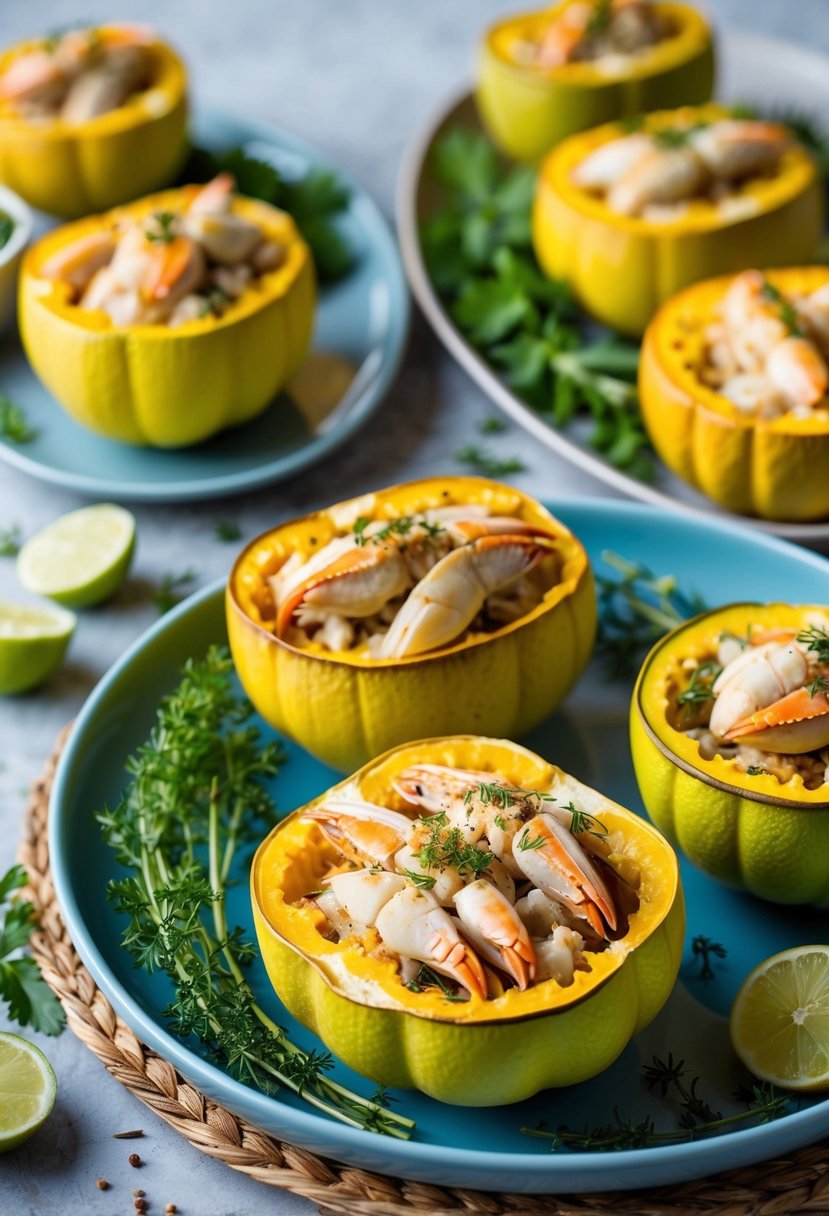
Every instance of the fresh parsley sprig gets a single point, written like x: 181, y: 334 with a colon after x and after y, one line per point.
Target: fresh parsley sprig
x: 30, y: 1000
x: 195, y: 797
x: 478, y: 250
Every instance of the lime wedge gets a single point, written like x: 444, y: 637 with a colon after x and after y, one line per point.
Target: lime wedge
x: 27, y: 1089
x: 82, y: 558
x: 780, y: 1019
x: 32, y: 643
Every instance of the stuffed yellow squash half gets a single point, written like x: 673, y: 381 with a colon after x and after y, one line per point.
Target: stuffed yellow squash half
x: 167, y: 320
x: 629, y: 217
x: 545, y: 75
x: 466, y: 919
x: 91, y: 117
x: 430, y: 607
x: 730, y: 741
x: 734, y: 388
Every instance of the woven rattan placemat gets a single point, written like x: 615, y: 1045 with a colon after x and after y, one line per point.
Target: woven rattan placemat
x: 795, y: 1183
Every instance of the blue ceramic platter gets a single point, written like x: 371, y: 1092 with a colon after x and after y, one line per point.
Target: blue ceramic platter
x: 473, y: 1148
x: 363, y: 318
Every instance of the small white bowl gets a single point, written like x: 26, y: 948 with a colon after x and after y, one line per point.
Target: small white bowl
x: 12, y: 252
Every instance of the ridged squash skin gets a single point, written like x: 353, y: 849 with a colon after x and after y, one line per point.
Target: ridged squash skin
x: 473, y: 1053
x: 747, y: 831
x: 72, y: 169
x: 776, y: 468
x: 527, y: 111
x: 622, y: 268
x: 162, y: 386
x: 346, y: 708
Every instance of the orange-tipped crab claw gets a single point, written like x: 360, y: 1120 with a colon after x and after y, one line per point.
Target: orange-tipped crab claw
x: 797, y: 723
x: 358, y: 582
x: 362, y: 831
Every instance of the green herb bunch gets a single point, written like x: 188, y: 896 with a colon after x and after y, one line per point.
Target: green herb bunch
x: 478, y: 250
x: 195, y: 797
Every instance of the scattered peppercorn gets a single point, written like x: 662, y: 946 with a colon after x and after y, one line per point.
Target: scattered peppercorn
x: 170, y: 1209
x: 138, y: 1193
x: 140, y: 1205
x: 102, y: 1184
x: 134, y: 1160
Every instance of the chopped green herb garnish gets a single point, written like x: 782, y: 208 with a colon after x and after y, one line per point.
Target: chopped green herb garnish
x: 447, y: 848
x: 172, y: 589
x: 583, y: 822
x: 500, y: 822
x: 487, y: 463
x: 227, y: 530
x: 677, y: 137
x: 819, y: 684
x: 700, y: 687
x: 13, y: 424
x: 816, y: 640
x: 397, y: 527
x: 754, y: 771
x: 526, y: 843
x: 492, y: 426
x: 161, y: 228
x: 6, y: 228
x: 10, y: 541
x: 428, y: 978
x: 788, y: 313
x: 505, y: 796
x: 426, y: 881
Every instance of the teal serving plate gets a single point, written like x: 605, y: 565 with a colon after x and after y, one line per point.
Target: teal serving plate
x: 480, y: 1148
x: 364, y: 318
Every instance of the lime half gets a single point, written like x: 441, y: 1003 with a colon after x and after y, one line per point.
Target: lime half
x: 82, y: 558
x: 780, y: 1019
x: 32, y: 644
x: 27, y: 1089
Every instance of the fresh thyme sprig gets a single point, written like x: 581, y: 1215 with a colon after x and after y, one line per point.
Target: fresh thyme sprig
x: 636, y: 609
x: 503, y: 796
x: 11, y: 539
x: 582, y: 821
x: 31, y: 1002
x: 705, y: 949
x: 195, y: 796
x: 13, y: 423
x: 478, y: 250
x: 429, y: 978
x: 697, y: 1118
x: 700, y: 686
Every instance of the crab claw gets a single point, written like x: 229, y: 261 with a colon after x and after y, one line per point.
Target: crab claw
x: 492, y: 924
x: 357, y: 583
x: 455, y: 590
x: 361, y: 830
x: 414, y: 925
x: 561, y: 868
x: 797, y: 723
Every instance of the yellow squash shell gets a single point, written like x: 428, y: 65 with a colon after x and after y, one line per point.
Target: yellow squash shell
x: 622, y: 268
x: 71, y: 169
x: 746, y: 830
x: 776, y: 468
x: 161, y: 385
x: 528, y: 110
x: 476, y: 1052
x: 346, y: 707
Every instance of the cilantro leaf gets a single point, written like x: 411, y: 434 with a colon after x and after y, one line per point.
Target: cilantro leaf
x: 30, y: 1000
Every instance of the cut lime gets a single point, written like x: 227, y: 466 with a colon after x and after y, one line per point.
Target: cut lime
x: 27, y: 1089
x: 82, y: 558
x: 32, y: 643
x: 780, y: 1019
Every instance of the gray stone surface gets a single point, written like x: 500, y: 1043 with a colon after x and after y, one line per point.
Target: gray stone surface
x: 356, y: 78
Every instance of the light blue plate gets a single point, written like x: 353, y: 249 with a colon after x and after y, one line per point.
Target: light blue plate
x: 364, y: 318
x: 473, y: 1148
